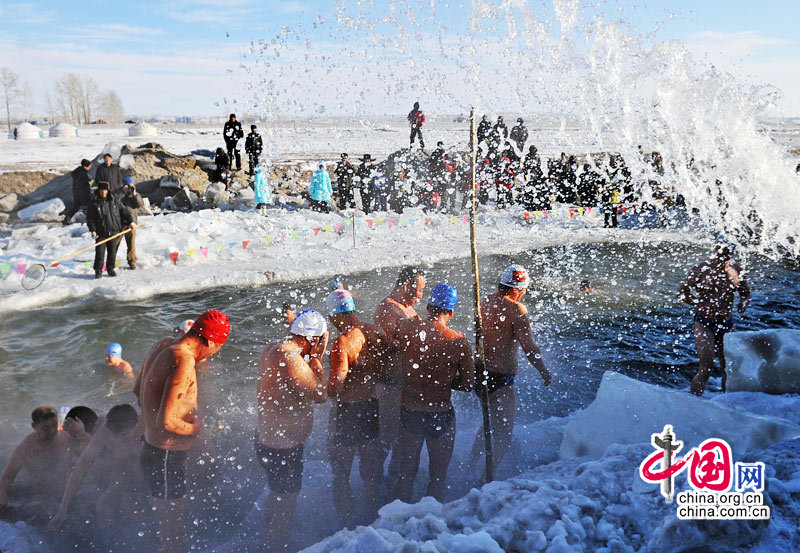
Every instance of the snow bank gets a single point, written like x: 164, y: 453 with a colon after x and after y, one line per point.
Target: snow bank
x: 215, y: 248
x: 44, y: 211
x: 567, y: 506
x: 646, y: 408
x: 763, y: 361
x: 20, y: 538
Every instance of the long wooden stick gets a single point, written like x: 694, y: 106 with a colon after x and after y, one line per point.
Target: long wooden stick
x: 480, y: 363
x: 354, y: 230
x: 94, y: 245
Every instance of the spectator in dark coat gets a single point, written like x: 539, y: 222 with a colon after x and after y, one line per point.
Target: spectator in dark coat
x: 519, y: 134
x: 345, y: 171
x: 133, y: 202
x: 106, y: 217
x: 364, y: 174
x: 589, y: 186
x: 416, y: 119
x: 253, y: 146
x: 500, y: 131
x: 223, y: 162
x: 232, y: 133
x: 108, y: 172
x: 81, y: 190
x: 484, y: 129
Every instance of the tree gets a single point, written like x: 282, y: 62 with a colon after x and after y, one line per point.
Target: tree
x: 111, y: 107
x: 9, y: 81
x: 74, y: 98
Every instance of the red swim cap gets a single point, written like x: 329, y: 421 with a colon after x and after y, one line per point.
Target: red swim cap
x: 213, y: 325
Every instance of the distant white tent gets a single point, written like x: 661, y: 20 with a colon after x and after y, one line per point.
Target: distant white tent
x: 26, y: 131
x: 142, y: 129
x: 63, y: 130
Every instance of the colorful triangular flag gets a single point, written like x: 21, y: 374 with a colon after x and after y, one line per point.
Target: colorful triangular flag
x: 358, y: 224
x: 427, y: 221
x: 466, y: 219
x: 316, y: 230
x: 411, y: 221
x: 191, y: 252
x: 369, y: 222
x: 204, y: 251
x: 245, y: 243
x: 4, y: 269
x: 328, y: 229
x: 174, y: 257
x: 219, y: 248
x: 294, y: 234
x: 231, y: 245
x: 339, y: 227
x: 390, y: 222
x: 268, y: 239
x: 21, y: 268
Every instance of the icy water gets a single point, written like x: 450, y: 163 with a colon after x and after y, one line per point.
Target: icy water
x: 632, y: 324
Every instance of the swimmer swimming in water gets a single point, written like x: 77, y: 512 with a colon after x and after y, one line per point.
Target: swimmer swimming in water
x: 113, y: 359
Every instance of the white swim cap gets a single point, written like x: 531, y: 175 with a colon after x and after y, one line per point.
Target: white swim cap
x: 309, y: 323
x: 515, y: 276
x: 186, y: 325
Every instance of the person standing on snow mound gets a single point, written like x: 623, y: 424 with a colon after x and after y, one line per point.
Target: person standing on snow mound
x: 108, y: 172
x: 505, y: 326
x: 519, y: 134
x: 364, y: 173
x: 167, y: 392
x: 105, y: 218
x: 357, y: 363
x: 320, y: 189
x: 263, y: 195
x: 232, y: 133
x: 484, y: 129
x: 345, y: 171
x: 416, y: 119
x: 253, y: 147
x: 711, y: 287
x: 133, y: 201
x: 81, y: 190
x: 435, y: 361
x: 288, y: 388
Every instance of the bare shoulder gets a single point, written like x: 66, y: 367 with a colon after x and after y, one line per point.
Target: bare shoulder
x: 453, y: 335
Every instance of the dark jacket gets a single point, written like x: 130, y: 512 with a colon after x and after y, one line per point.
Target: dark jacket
x: 134, y: 203
x: 109, y: 174
x: 106, y: 216
x: 81, y: 187
x: 416, y: 118
x: 253, y: 144
x: 519, y: 134
x: 232, y: 131
x: 484, y: 129
x: 344, y: 173
x: 365, y: 172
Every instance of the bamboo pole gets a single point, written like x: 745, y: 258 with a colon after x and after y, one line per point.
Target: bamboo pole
x: 480, y: 364
x: 94, y: 245
x: 354, y: 230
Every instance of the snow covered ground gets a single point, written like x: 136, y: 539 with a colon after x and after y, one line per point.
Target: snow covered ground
x: 188, y: 251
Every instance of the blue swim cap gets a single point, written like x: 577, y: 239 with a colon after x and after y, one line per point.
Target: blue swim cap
x: 340, y: 301
x: 114, y: 349
x: 444, y: 296
x: 127, y: 180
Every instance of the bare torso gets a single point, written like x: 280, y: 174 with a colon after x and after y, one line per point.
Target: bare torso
x: 364, y: 349
x: 46, y: 465
x: 285, y: 411
x: 159, y: 376
x: 714, y: 287
x: 434, y: 359
x: 388, y: 316
x: 504, y: 323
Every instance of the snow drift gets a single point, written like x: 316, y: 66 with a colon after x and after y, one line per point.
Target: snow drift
x: 763, y: 361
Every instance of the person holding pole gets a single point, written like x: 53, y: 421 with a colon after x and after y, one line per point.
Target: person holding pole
x: 435, y: 360
x: 105, y: 218
x: 505, y: 324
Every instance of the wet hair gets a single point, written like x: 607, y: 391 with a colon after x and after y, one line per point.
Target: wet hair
x: 85, y: 163
x: 287, y: 306
x: 121, y: 417
x: 409, y: 275
x: 85, y: 415
x: 41, y: 414
x: 435, y: 310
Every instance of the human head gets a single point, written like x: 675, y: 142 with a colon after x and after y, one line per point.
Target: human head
x: 499, y: 118
x: 340, y: 301
x: 519, y: 120
x: 121, y: 418
x: 321, y: 164
x: 287, y: 312
x: 443, y: 301
x: 723, y: 250
x: 412, y: 282
x: 44, y: 421
x: 107, y: 159
x: 253, y: 128
x: 213, y: 328
x: 86, y: 164
x: 485, y: 118
x: 113, y: 354
x: 586, y: 167
x: 440, y: 144
x: 533, y: 150
x: 514, y: 281
x: 563, y: 156
x: 310, y: 325
x: 220, y: 151
x: 586, y: 288
x: 345, y: 157
x: 233, y: 117
x: 416, y: 105
x: 366, y: 157
x: 82, y: 413
x: 102, y: 189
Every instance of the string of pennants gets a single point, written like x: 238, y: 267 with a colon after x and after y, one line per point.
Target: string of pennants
x: 528, y: 216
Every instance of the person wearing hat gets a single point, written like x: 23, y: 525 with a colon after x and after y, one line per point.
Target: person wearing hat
x: 320, y: 189
x: 106, y: 217
x: 435, y: 360
x: 364, y: 174
x: 519, y: 134
x: 232, y: 132
x: 345, y: 171
x: 167, y: 393
x: 253, y: 145
x: 132, y: 200
x: 358, y: 361
x: 711, y: 288
x: 505, y: 327
x: 113, y: 358
x: 109, y: 172
x: 288, y: 388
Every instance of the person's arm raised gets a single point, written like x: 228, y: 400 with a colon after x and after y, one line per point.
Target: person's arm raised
x: 87, y: 459
x: 309, y: 377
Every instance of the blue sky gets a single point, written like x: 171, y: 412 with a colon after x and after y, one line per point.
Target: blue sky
x: 184, y: 57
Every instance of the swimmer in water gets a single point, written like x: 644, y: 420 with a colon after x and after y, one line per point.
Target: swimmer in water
x: 586, y: 288
x: 711, y: 288
x: 113, y: 359
x: 288, y: 313
x: 80, y: 424
x: 435, y: 360
x: 357, y: 363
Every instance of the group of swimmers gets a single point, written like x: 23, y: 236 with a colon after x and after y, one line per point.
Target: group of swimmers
x: 390, y: 383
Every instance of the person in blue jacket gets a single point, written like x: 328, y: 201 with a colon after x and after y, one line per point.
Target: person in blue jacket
x: 321, y: 189
x: 261, y: 186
